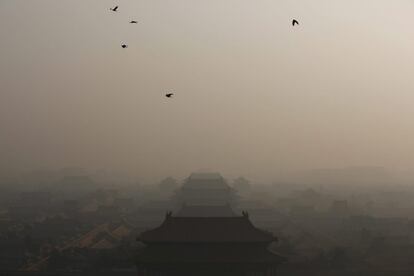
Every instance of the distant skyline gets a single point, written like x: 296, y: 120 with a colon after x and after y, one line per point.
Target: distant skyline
x: 252, y: 94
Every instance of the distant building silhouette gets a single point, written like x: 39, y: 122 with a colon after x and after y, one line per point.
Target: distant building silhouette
x: 205, y: 189
x: 76, y: 186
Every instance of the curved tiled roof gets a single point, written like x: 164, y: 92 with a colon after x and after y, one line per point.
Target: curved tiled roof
x: 205, y: 181
x: 209, y: 254
x: 206, y: 230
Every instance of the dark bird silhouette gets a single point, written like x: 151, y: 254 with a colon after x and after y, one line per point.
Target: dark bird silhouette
x: 169, y: 95
x: 295, y: 22
x: 124, y: 46
x: 133, y: 22
x: 114, y: 9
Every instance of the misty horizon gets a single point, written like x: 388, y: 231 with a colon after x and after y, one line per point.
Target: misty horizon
x: 225, y: 138
x: 252, y: 97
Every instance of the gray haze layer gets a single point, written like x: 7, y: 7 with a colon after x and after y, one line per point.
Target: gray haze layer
x: 252, y: 94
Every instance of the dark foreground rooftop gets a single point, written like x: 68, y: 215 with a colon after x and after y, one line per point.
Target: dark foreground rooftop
x: 207, y: 230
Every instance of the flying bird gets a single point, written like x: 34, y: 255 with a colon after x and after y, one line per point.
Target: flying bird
x: 295, y: 22
x: 169, y: 95
x: 114, y: 9
x: 133, y: 22
x: 124, y: 46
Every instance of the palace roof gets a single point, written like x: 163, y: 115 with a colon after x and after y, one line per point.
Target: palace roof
x: 206, y: 230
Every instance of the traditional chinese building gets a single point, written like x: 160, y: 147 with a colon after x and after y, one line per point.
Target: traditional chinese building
x: 205, y: 189
x: 205, y: 211
x: 207, y: 246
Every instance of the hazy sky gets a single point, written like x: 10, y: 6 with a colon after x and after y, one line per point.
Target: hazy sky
x: 254, y: 96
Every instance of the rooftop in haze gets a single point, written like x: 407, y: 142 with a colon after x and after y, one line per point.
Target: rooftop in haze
x: 207, y: 230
